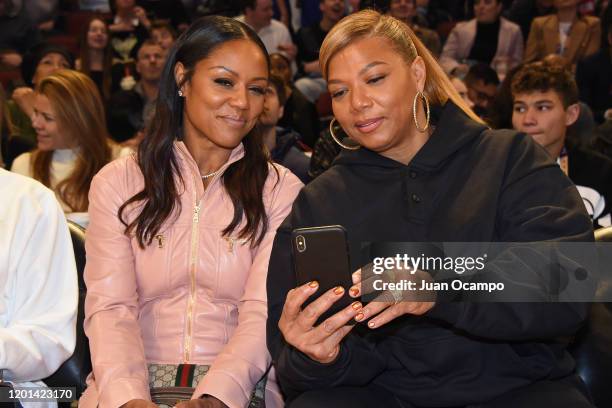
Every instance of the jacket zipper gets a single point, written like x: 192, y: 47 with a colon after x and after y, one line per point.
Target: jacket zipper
x: 192, y: 278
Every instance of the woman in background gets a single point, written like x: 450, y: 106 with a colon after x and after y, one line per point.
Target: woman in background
x: 487, y: 38
x: 72, y: 142
x: 128, y: 27
x: 38, y: 63
x: 96, y: 57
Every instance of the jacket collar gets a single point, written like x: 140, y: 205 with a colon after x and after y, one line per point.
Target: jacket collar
x: 453, y: 130
x: 189, y: 167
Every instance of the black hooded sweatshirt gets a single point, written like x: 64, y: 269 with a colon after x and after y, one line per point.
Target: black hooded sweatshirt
x: 466, y: 184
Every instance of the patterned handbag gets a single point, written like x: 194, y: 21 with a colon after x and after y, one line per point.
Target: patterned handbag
x: 171, y: 384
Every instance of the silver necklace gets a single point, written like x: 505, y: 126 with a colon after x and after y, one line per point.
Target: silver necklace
x: 206, y: 176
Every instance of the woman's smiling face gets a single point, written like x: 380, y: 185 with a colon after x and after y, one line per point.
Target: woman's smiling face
x: 225, y: 95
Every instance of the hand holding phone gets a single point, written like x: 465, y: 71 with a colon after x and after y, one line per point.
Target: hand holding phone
x: 321, y: 254
x: 314, y: 320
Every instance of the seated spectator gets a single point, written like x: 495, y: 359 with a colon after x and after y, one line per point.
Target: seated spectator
x: 42, y: 13
x: 72, y: 140
x: 488, y: 38
x: 40, y: 62
x: 96, y: 58
x: 257, y: 14
x: 523, y: 12
x: 406, y: 11
x: 129, y: 27
x: 170, y: 11
x: 581, y: 131
x: 282, y: 13
x: 601, y: 7
x: 200, y: 8
x: 130, y: 110
x: 101, y: 6
x: 462, y: 89
x: 163, y: 34
x: 564, y: 33
x: 500, y: 108
x: 594, y: 75
x: 310, y: 12
x: 299, y: 113
x: 324, y: 153
x: 38, y: 283
x: 545, y: 103
x: 17, y: 34
x: 180, y: 236
x: 309, y: 40
x: 602, y: 139
x: 431, y: 13
x: 284, y: 145
x: 482, y: 83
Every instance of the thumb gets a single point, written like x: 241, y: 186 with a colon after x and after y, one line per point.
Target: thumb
x: 356, y: 276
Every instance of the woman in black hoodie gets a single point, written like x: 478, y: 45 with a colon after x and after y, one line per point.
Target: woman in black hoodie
x: 416, y: 178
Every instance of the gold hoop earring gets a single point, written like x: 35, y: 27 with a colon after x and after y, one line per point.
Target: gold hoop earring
x: 331, y: 131
x: 418, y: 95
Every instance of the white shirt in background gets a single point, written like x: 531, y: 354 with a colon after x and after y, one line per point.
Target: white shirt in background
x: 62, y: 165
x: 38, y: 284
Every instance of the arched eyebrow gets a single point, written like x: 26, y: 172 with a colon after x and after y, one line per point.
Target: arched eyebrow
x: 234, y: 73
x: 362, y: 70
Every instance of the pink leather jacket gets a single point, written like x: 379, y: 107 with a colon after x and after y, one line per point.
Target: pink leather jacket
x: 192, y: 296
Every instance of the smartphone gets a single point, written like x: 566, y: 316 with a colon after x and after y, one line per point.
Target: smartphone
x: 321, y: 254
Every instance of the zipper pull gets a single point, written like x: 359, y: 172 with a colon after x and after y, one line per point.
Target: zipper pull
x: 160, y: 240
x: 230, y: 244
x: 196, y: 213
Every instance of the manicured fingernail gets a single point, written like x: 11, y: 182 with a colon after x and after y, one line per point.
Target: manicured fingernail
x: 313, y: 284
x: 354, y: 291
x: 359, y: 317
x: 371, y: 324
x: 356, y: 305
x: 338, y: 290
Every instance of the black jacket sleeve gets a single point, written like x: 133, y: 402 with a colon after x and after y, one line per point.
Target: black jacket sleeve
x: 537, y: 203
x: 358, y: 362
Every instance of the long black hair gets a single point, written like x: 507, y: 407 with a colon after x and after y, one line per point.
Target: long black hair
x: 243, y: 180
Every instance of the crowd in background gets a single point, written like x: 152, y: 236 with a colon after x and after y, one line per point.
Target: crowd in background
x: 121, y: 46
x: 80, y: 81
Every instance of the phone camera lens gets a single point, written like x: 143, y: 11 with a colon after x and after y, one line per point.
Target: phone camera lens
x: 300, y: 243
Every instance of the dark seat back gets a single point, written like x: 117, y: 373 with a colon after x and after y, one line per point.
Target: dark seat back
x: 74, y: 371
x: 592, y: 347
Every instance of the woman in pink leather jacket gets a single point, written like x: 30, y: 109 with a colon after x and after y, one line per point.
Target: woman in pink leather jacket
x: 180, y: 236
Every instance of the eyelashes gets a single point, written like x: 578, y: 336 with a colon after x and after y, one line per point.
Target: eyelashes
x: 258, y: 90
x: 376, y: 79
x: 338, y: 94
x: 372, y: 81
x: 224, y: 82
x: 228, y: 83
